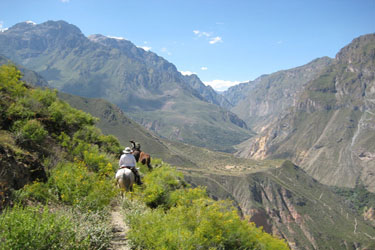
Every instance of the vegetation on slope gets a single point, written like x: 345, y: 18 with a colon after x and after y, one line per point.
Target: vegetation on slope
x: 150, y: 89
x: 65, y: 205
x: 167, y: 214
x: 67, y: 163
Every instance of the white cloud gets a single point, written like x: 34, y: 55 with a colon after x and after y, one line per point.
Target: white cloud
x: 31, y: 22
x: 116, y: 37
x: 216, y: 40
x: 208, y: 35
x: 145, y: 48
x: 204, y: 68
x: 165, y: 50
x: 65, y: 1
x: 201, y: 33
x: 1, y: 27
x: 221, y: 85
x: 187, y: 73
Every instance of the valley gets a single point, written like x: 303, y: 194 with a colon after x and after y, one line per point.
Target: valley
x: 290, y: 149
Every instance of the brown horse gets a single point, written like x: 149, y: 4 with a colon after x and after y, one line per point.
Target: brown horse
x: 141, y: 156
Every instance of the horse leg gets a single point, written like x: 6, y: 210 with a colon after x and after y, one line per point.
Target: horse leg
x: 149, y: 164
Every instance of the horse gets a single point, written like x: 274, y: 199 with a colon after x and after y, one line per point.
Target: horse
x: 125, y: 180
x: 141, y: 156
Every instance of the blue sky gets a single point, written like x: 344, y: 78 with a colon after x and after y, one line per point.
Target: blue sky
x: 223, y: 42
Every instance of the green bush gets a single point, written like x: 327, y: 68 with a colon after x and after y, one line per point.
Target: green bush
x: 178, y: 217
x: 39, y: 228
x: 184, y: 197
x: 110, y: 144
x: 45, y: 96
x: 36, y: 191
x: 18, y: 110
x: 10, y: 81
x: 35, y: 228
x: 76, y: 185
x: 203, y: 224
x: 66, y: 118
x: 159, y: 184
x: 33, y: 131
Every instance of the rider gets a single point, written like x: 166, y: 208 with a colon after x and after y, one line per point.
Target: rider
x: 127, y: 160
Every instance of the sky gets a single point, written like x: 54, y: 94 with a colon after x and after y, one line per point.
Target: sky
x: 224, y: 42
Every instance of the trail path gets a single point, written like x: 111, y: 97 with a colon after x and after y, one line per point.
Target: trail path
x: 119, y: 228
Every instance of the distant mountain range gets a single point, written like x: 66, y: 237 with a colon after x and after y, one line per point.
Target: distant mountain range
x: 147, y: 87
x: 329, y: 127
x: 261, y: 101
x: 284, y: 199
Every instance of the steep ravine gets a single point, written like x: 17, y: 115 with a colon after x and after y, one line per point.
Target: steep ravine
x: 330, y: 130
x: 288, y: 203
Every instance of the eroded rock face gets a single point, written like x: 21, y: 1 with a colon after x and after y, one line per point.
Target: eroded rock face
x: 369, y: 215
x: 261, y: 101
x: 290, y: 204
x: 16, y: 171
x: 330, y: 132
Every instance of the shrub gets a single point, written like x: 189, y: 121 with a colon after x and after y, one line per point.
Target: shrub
x: 67, y: 118
x: 110, y: 144
x: 18, y: 110
x: 178, y: 217
x: 33, y: 131
x: 36, y: 191
x: 158, y: 185
x: 76, y: 185
x: 10, y: 80
x: 44, y: 96
x: 39, y: 228
x: 34, y: 228
x: 203, y: 224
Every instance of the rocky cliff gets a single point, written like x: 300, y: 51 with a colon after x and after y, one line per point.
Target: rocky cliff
x: 261, y: 101
x: 144, y: 85
x: 330, y: 132
x: 287, y: 202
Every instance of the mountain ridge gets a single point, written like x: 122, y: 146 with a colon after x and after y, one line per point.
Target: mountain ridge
x: 329, y: 132
x: 261, y: 101
x: 147, y: 87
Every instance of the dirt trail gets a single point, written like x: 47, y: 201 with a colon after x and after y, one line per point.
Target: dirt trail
x: 119, y: 228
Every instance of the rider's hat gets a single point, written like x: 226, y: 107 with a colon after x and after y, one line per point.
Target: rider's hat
x: 127, y: 150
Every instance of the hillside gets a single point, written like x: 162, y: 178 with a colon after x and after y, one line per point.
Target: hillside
x: 29, y: 76
x: 263, y: 100
x: 288, y: 202
x: 145, y: 86
x: 330, y: 131
x: 57, y: 187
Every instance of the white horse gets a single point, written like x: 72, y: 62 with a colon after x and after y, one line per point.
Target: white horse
x: 125, y: 180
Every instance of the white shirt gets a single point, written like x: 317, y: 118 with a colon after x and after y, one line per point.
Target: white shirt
x: 127, y: 160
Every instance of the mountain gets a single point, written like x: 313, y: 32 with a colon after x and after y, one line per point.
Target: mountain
x: 29, y: 76
x: 260, y: 101
x: 330, y: 131
x: 287, y: 202
x: 283, y: 199
x: 147, y: 87
x: 207, y: 92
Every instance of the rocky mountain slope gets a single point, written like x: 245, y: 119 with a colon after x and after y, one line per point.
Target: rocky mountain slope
x: 29, y: 76
x: 287, y: 202
x: 147, y: 87
x: 261, y: 101
x: 207, y: 92
x: 330, y: 132
x: 279, y: 199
